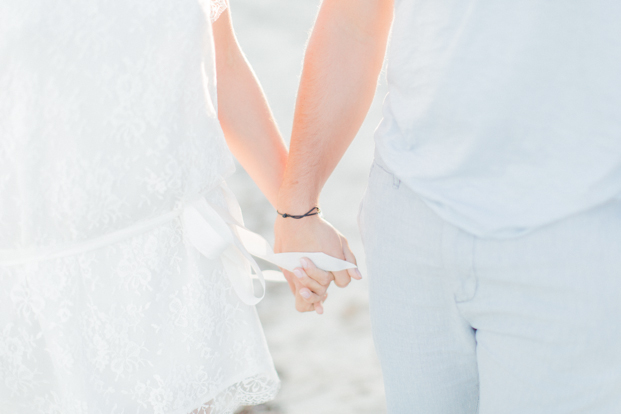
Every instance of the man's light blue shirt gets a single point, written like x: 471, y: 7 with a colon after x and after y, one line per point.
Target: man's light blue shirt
x: 505, y: 116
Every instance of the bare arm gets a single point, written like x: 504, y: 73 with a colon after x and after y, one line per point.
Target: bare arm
x: 246, y: 119
x: 342, y: 63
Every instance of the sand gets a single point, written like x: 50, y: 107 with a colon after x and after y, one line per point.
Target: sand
x: 327, y: 363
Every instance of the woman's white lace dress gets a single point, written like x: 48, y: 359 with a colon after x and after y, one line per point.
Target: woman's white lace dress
x: 108, y: 131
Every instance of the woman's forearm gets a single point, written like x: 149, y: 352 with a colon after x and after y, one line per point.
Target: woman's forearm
x: 248, y: 124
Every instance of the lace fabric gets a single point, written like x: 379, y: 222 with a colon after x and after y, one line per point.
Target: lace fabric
x: 145, y: 325
x: 217, y: 7
x: 108, y: 118
x: 251, y: 391
x: 103, y: 116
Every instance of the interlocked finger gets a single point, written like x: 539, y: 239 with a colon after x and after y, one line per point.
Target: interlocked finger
x: 290, y: 278
x: 309, y: 296
x: 349, y: 256
x: 302, y: 306
x: 309, y: 282
x: 319, y: 305
x: 341, y: 278
x: 318, y: 275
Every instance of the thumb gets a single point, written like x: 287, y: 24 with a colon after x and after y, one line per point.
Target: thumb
x: 349, y: 256
x: 290, y: 280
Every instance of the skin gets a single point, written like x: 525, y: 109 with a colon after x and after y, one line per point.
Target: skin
x: 246, y: 119
x: 249, y: 127
x: 343, y: 60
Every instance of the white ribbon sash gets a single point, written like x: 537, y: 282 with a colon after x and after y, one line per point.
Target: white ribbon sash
x: 214, y: 232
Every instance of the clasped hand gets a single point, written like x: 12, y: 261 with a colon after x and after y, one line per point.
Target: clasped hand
x: 308, y: 283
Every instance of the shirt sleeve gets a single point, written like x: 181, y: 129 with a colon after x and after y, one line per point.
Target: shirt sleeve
x: 217, y: 7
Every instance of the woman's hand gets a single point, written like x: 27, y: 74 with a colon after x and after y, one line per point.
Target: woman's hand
x: 312, y: 287
x: 313, y: 234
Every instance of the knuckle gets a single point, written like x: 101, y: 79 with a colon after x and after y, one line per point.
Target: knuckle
x: 312, y: 299
x: 313, y: 273
x: 318, y: 292
x: 342, y: 282
x: 303, y: 307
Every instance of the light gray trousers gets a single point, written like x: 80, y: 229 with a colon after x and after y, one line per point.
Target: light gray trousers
x: 461, y: 324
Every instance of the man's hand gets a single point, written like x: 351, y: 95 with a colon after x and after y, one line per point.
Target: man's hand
x: 313, y: 234
x: 343, y: 59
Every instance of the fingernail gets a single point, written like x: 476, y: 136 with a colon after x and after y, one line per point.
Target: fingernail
x: 298, y: 273
x: 304, y: 263
x: 305, y: 294
x: 359, y: 274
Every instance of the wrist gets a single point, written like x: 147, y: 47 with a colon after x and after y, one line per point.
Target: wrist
x: 295, y: 202
x: 298, y: 227
x: 314, y: 211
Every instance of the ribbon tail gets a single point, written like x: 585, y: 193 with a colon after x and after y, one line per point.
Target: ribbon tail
x: 259, y: 247
x: 234, y: 261
x: 216, y: 231
x: 273, y: 276
x: 250, y: 298
x: 213, y: 235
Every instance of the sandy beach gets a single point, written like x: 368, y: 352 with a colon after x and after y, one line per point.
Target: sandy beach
x: 327, y: 363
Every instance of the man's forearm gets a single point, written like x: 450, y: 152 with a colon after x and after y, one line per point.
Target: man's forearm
x: 342, y: 63
x: 248, y: 124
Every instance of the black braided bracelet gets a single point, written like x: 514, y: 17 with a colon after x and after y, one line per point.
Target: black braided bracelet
x: 312, y: 212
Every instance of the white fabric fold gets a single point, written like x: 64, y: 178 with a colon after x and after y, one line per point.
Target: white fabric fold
x: 214, y: 232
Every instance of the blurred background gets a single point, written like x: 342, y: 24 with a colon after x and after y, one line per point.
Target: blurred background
x: 327, y: 363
